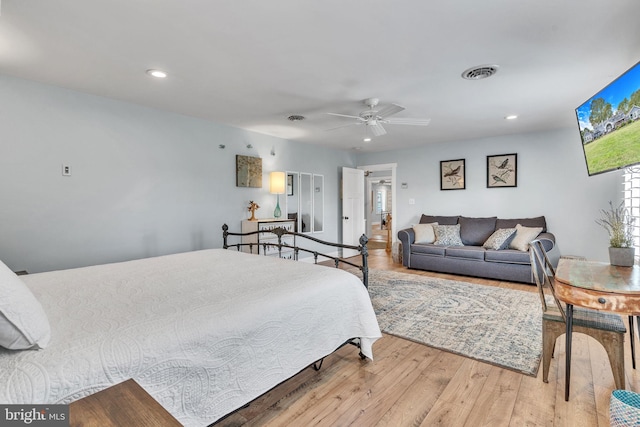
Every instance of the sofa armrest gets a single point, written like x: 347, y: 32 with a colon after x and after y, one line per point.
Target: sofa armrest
x: 407, y: 237
x: 548, y: 241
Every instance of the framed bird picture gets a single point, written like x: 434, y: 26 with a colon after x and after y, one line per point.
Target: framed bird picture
x: 452, y: 174
x: 502, y: 170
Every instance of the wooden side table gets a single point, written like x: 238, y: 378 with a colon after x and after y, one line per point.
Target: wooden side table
x: 124, y: 404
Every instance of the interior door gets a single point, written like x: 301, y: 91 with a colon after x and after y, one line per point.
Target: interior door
x: 353, y: 222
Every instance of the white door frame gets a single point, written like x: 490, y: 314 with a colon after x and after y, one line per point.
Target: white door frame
x: 394, y: 198
x: 353, y: 204
x: 370, y: 182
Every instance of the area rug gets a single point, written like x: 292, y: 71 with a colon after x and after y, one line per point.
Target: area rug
x: 495, y: 325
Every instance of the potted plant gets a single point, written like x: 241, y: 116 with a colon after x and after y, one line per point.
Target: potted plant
x: 619, y: 225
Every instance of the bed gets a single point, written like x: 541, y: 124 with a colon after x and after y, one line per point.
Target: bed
x: 203, y: 332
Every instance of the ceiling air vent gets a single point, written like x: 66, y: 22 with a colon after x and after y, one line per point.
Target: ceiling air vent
x: 295, y: 118
x: 481, y: 72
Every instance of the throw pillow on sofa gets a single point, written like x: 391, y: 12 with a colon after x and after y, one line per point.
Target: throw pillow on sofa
x: 424, y: 233
x: 447, y: 235
x: 500, y: 239
x: 524, y: 235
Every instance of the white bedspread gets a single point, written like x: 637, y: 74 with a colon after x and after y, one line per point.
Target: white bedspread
x: 202, y: 332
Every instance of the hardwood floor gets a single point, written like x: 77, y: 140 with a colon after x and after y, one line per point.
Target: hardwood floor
x: 410, y: 384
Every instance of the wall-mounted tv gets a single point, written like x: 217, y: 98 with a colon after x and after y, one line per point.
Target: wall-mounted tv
x: 609, y: 124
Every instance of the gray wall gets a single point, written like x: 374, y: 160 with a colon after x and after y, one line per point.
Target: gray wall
x: 144, y: 182
x: 552, y: 181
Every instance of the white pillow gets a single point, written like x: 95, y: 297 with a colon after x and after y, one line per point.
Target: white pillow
x: 23, y: 322
x: 424, y: 233
x: 524, y: 235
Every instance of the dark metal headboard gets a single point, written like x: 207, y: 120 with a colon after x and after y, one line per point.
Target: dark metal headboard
x: 279, y: 231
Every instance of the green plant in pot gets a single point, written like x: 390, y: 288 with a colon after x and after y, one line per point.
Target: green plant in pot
x: 619, y: 225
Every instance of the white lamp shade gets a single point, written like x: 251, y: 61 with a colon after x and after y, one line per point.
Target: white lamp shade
x: 277, y: 181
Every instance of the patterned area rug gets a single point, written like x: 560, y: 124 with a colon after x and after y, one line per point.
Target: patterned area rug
x: 495, y: 325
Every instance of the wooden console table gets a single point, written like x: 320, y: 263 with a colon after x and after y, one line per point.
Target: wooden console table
x: 598, y: 286
x: 124, y: 404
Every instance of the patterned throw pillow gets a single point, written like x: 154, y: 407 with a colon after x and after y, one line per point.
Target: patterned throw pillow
x: 447, y: 235
x: 500, y: 239
x: 424, y: 233
x: 524, y: 235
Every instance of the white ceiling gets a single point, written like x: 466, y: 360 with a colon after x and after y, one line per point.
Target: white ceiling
x: 252, y: 63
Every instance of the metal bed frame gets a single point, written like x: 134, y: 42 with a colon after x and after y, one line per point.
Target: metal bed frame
x: 279, y: 232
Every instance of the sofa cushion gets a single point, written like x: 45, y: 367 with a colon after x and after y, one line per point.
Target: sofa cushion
x: 448, y: 235
x: 428, y: 249
x: 441, y: 220
x: 475, y: 231
x: 424, y: 233
x: 510, y: 256
x: 523, y: 236
x: 500, y: 239
x: 527, y: 222
x: 468, y: 252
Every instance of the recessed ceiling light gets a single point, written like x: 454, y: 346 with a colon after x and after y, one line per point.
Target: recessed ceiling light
x: 511, y: 117
x: 367, y: 139
x: 157, y: 73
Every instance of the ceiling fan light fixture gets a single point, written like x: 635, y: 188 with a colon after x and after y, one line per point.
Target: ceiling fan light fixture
x: 480, y: 72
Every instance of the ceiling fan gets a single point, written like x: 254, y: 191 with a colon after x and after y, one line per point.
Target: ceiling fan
x: 374, y: 118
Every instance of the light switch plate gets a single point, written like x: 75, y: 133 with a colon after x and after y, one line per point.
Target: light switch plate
x: 66, y: 170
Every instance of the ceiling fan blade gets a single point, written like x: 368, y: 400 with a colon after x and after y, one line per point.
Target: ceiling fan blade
x: 377, y: 129
x: 344, y: 126
x: 408, y: 121
x: 389, y: 110
x: 345, y: 115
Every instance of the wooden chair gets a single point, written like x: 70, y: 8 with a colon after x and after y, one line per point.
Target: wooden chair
x: 607, y: 328
x: 633, y: 341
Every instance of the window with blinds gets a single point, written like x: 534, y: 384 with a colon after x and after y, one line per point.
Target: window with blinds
x: 632, y: 200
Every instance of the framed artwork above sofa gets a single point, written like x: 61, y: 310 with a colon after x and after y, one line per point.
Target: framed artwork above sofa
x: 502, y: 170
x: 452, y: 174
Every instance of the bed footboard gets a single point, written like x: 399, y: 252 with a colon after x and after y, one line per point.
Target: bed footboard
x: 322, y: 244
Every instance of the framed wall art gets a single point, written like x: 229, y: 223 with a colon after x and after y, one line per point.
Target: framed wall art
x: 502, y: 170
x: 248, y: 171
x: 289, y: 185
x: 452, y: 174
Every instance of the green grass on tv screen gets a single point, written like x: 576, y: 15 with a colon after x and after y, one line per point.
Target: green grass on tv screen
x: 614, y: 150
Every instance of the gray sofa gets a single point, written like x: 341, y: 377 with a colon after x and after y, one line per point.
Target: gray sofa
x: 472, y: 259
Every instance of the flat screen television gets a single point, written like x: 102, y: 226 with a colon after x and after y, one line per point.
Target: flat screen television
x: 609, y: 124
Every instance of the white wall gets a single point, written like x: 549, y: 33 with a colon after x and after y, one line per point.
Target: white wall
x: 144, y: 182
x: 552, y: 181
x: 147, y: 182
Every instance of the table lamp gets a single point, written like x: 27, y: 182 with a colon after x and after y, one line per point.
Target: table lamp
x: 277, y: 186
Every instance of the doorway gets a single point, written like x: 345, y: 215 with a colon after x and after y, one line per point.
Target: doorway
x: 380, y: 204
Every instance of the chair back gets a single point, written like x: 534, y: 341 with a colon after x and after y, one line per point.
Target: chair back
x: 544, y: 275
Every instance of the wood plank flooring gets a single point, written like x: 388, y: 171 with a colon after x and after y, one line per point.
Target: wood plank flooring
x: 410, y: 384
